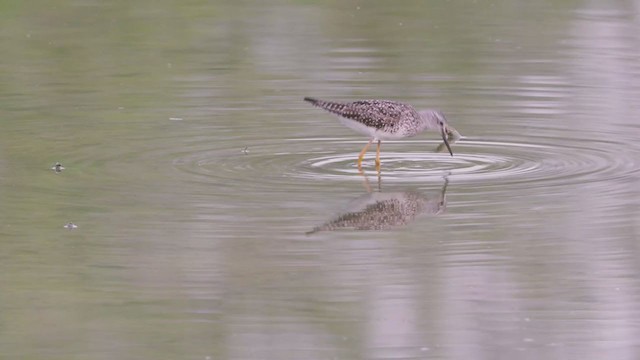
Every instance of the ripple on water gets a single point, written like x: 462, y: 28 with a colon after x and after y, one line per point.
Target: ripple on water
x: 479, y: 161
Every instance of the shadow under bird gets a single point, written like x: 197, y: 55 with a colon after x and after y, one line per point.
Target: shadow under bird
x: 387, y: 120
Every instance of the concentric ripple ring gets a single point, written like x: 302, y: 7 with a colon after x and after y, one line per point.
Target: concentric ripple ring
x: 485, y: 162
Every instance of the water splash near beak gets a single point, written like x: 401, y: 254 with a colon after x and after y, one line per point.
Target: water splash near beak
x: 449, y: 136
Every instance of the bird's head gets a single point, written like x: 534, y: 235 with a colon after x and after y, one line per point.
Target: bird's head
x: 434, y: 120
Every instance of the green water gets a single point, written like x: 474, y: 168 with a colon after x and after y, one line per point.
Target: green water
x: 195, y: 173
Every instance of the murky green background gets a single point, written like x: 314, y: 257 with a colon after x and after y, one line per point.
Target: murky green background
x: 196, y: 176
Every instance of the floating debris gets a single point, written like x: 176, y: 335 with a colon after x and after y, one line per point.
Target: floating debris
x: 57, y: 167
x: 70, y: 226
x: 175, y: 119
x: 245, y: 150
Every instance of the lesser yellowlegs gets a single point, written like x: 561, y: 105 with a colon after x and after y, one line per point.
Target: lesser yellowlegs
x: 385, y: 119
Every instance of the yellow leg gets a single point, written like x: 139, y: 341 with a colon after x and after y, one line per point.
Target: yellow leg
x: 364, y: 151
x: 378, y: 157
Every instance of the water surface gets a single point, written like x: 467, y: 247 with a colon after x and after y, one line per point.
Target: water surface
x: 200, y: 182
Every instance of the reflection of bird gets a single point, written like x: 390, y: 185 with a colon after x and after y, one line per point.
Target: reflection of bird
x: 380, y: 211
x: 384, y: 119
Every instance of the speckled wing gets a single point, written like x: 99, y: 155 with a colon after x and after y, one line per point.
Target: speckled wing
x: 379, y: 114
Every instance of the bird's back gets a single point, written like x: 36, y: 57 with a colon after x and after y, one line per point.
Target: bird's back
x: 379, y: 114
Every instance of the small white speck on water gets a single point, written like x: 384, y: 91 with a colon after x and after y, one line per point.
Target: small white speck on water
x: 28, y: 36
x: 245, y: 150
x: 120, y: 107
x: 70, y: 226
x: 175, y: 119
x: 527, y: 319
x: 400, y: 24
x: 57, y: 167
x: 357, y: 7
x: 529, y: 340
x: 424, y: 348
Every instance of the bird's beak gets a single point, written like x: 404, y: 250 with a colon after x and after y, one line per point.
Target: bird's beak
x: 443, y: 132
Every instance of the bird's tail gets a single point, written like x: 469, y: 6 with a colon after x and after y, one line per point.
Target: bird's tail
x: 334, y: 107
